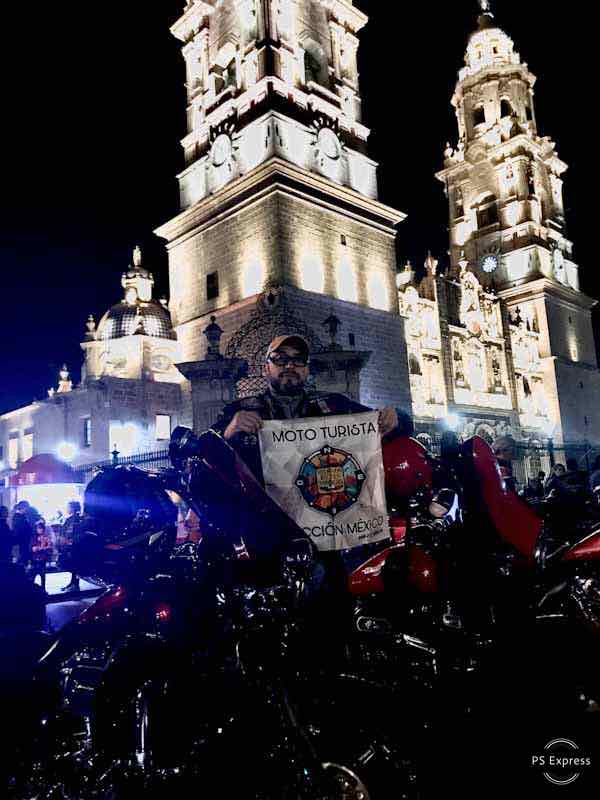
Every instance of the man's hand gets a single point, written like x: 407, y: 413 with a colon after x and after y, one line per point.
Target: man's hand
x: 243, y: 422
x: 388, y: 420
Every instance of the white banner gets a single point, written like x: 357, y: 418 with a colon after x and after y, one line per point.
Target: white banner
x: 327, y: 474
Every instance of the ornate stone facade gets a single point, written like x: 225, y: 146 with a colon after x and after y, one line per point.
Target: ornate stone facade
x: 517, y: 347
x: 278, y: 197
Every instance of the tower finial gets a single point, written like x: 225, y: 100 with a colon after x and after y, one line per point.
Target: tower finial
x: 137, y: 256
x: 486, y: 17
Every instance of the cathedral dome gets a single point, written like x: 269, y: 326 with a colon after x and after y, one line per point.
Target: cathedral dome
x: 137, y: 313
x: 489, y: 46
x: 142, y: 318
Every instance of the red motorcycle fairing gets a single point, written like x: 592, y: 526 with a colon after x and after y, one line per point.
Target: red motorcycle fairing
x: 422, y: 571
x: 586, y: 550
x: 407, y: 468
x: 513, y: 519
x: 368, y: 578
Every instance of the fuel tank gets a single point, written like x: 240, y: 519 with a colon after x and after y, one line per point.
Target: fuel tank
x: 407, y: 469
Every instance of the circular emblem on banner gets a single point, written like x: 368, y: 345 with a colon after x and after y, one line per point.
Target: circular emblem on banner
x: 330, y: 480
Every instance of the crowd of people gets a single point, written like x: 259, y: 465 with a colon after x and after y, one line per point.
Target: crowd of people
x: 567, y: 479
x: 26, y: 540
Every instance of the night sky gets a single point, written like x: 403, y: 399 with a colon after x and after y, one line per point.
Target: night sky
x: 94, y: 109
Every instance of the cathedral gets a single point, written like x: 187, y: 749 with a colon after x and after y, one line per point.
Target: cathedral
x: 281, y: 229
x: 502, y: 342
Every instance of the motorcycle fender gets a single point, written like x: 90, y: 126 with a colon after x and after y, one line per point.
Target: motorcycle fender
x: 587, y: 550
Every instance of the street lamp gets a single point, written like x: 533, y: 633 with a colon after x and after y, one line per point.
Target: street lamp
x: 67, y: 451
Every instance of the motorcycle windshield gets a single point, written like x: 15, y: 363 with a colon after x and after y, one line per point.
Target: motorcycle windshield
x: 115, y: 496
x: 230, y: 500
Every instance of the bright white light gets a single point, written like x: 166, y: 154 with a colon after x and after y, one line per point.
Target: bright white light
x: 125, y: 437
x: 163, y: 427
x: 67, y: 451
x: 452, y: 421
x: 312, y: 274
x: 378, y: 293
x: 574, y: 349
x: 13, y: 452
x: 347, y: 287
x: 253, y: 280
x: 49, y: 499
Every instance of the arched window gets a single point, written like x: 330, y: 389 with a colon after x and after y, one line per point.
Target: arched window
x: 459, y: 205
x: 479, y: 115
x: 315, y: 63
x: 505, y: 108
x: 224, y: 68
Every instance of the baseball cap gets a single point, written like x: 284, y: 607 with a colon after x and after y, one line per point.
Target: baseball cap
x: 291, y: 339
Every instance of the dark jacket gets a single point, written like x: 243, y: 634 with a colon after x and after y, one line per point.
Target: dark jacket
x: 22, y: 533
x: 270, y: 406
x: 72, y: 529
x: 7, y: 541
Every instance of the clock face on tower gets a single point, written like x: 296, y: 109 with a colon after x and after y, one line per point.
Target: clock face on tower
x: 329, y: 144
x: 221, y: 150
x: 489, y: 263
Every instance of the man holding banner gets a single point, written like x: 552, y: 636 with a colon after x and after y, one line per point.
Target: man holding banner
x: 319, y: 457
x: 327, y: 475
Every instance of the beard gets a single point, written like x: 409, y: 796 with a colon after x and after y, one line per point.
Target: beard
x: 290, y: 385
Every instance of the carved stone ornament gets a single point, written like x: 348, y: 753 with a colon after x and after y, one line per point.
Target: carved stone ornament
x: 271, y: 317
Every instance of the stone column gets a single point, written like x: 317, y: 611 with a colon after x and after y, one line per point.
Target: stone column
x: 213, y: 384
x: 213, y: 380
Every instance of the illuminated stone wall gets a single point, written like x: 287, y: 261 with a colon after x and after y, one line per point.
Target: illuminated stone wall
x: 504, y: 184
x: 278, y: 190
x: 125, y: 402
x: 272, y: 78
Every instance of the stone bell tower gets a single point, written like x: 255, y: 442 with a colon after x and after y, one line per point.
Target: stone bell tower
x: 280, y: 225
x: 504, y: 183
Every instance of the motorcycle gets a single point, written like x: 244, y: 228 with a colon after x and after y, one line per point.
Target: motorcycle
x: 172, y: 674
x: 475, y: 576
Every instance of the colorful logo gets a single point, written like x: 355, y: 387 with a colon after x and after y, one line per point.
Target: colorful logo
x: 331, y: 480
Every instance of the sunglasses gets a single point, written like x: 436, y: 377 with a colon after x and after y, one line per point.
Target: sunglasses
x: 281, y: 361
